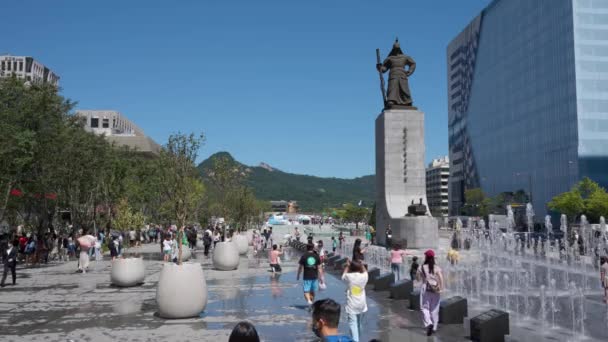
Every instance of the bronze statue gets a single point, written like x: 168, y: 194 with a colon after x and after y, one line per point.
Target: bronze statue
x: 398, y: 92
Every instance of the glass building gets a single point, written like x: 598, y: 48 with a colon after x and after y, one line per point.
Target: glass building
x: 528, y: 99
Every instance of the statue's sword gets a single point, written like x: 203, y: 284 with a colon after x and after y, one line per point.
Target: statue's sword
x: 381, y: 77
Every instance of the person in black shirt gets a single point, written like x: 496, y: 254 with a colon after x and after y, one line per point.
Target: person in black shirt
x: 310, y: 263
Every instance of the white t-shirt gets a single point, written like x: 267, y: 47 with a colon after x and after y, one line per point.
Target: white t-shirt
x: 356, y: 302
x: 167, y: 245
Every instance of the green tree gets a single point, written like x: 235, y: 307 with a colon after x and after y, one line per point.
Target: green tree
x: 569, y: 203
x: 597, y: 205
x: 181, y: 187
x: 353, y: 213
x: 476, y: 203
x: 372, y: 217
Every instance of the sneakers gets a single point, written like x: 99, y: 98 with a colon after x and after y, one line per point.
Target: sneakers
x: 429, y: 330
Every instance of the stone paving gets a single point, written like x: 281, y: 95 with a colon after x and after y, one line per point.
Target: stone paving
x: 53, y: 303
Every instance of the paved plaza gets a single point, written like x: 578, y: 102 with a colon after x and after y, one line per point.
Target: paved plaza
x: 53, y: 303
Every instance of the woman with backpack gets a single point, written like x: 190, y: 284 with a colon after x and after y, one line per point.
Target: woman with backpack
x: 432, y: 282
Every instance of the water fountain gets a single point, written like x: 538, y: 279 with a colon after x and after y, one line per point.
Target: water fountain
x: 530, y: 217
x: 510, y: 219
x: 557, y: 288
x: 543, y: 305
x: 548, y: 226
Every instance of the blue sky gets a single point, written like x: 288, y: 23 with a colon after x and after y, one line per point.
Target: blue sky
x: 289, y: 83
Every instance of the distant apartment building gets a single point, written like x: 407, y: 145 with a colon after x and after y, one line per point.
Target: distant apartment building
x: 118, y: 129
x: 27, y: 68
x: 437, y: 178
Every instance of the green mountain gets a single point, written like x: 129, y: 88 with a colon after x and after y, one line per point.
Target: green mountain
x: 312, y: 193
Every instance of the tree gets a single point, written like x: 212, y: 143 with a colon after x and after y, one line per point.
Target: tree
x: 126, y: 218
x: 179, y: 181
x: 225, y: 180
x: 372, y: 217
x: 597, y: 205
x: 353, y: 213
x: 569, y: 203
x: 585, y: 197
x: 476, y: 203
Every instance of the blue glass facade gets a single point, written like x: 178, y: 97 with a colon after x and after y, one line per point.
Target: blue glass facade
x: 536, y: 115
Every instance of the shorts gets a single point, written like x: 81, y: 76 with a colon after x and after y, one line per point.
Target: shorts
x: 167, y: 252
x: 311, y: 285
x: 276, y: 267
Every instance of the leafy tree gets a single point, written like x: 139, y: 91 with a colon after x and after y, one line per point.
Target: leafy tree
x: 126, y: 218
x: 597, y: 205
x: 181, y: 187
x: 569, y: 203
x: 353, y: 213
x: 476, y: 203
x: 372, y: 217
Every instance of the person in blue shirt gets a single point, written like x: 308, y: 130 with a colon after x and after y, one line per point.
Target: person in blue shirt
x: 325, y: 321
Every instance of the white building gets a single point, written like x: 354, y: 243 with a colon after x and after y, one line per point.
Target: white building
x: 118, y: 129
x: 437, y: 177
x: 27, y: 68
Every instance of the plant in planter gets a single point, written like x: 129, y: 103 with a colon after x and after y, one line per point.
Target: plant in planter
x: 127, y: 271
x: 182, y: 289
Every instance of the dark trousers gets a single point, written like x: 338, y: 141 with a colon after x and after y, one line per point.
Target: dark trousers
x: 5, y: 274
x: 207, y: 249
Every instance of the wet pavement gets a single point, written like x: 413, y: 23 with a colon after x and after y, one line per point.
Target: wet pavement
x: 53, y: 303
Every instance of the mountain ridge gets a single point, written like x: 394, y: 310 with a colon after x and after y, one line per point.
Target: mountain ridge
x: 313, y: 193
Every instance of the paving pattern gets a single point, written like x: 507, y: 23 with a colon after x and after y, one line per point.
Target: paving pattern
x: 53, y: 303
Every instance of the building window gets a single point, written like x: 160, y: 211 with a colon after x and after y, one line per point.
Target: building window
x: 105, y: 123
x: 94, y: 122
x: 21, y: 66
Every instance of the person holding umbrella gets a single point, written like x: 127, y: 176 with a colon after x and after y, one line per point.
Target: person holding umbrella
x: 86, y: 241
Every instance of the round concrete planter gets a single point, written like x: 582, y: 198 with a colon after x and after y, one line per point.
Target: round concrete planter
x: 127, y: 272
x: 249, y: 235
x: 226, y: 256
x: 181, y: 291
x: 242, y: 245
x: 186, y: 253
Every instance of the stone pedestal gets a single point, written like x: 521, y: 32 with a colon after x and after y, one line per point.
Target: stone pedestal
x: 401, y: 179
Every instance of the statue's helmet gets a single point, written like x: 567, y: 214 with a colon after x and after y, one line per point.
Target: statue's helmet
x: 396, y: 51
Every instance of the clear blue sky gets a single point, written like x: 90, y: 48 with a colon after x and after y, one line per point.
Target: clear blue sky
x: 289, y: 83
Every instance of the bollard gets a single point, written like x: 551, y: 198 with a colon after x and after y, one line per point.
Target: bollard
x: 384, y: 281
x: 340, y: 263
x: 401, y: 289
x: 331, y: 261
x: 415, y: 300
x: 453, y: 310
x: 372, y: 274
x: 491, y: 325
